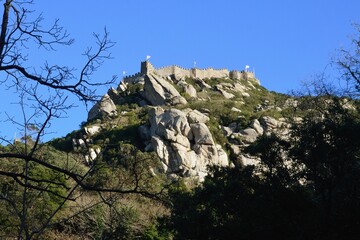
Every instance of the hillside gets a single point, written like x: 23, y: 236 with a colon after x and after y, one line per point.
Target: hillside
x: 212, y: 148
x: 189, y: 122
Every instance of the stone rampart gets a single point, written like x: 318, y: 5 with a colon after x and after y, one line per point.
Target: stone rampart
x: 177, y: 71
x: 180, y: 72
x: 165, y: 71
x: 132, y: 78
x: 210, y: 73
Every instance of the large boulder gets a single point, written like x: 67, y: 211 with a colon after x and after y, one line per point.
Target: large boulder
x: 92, y: 130
x: 194, y: 116
x: 269, y: 123
x: 255, y: 124
x: 226, y: 94
x: 105, y: 107
x: 184, y: 148
x: 158, y: 91
x: 190, y: 90
x: 172, y: 119
x: 202, y: 135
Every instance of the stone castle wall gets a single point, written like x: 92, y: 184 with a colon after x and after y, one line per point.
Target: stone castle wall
x: 241, y: 75
x: 180, y: 72
x: 210, y: 73
x: 132, y: 78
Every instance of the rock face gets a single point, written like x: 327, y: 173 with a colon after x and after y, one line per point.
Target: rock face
x: 183, y: 142
x: 158, y: 91
x: 240, y: 138
x: 105, y: 107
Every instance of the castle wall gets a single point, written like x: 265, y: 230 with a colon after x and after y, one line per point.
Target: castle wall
x: 241, y: 75
x: 249, y: 75
x: 235, y: 74
x: 210, y: 73
x: 165, y: 71
x: 180, y: 72
x: 132, y: 78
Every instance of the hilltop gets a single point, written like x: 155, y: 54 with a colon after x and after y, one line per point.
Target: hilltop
x: 191, y: 118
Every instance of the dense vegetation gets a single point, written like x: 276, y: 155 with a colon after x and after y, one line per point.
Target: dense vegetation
x: 314, y: 196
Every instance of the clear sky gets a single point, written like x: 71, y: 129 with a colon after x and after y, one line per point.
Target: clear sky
x: 284, y: 41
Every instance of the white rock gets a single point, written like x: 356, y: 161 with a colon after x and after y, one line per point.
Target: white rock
x: 195, y: 116
x: 269, y: 122
x: 172, y: 136
x: 92, y: 130
x: 105, y: 107
x: 201, y: 134
x: 158, y: 91
x: 226, y: 95
x: 227, y: 131
x: 234, y: 109
x: 92, y: 154
x: 185, y: 149
x: 223, y: 158
x: 249, y: 135
x: 255, y: 124
x: 81, y: 143
x: 249, y: 161
x: 190, y: 90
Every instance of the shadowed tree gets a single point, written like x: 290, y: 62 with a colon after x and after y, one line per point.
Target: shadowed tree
x: 349, y: 66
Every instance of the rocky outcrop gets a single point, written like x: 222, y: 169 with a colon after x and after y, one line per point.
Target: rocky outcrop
x: 181, y: 138
x: 183, y: 142
x: 241, y: 138
x: 190, y: 90
x: 226, y: 94
x: 158, y: 91
x: 105, y: 107
x: 92, y: 130
x: 194, y: 116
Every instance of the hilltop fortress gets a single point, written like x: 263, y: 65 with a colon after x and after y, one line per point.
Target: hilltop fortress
x: 181, y: 73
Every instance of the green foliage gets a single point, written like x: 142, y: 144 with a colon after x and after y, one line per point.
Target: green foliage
x: 271, y: 150
x: 306, y: 187
x: 155, y: 232
x: 216, y: 132
x: 134, y: 88
x: 214, y: 81
x: 65, y: 144
x: 46, y: 194
x: 235, y: 204
x: 329, y: 147
x: 126, y: 130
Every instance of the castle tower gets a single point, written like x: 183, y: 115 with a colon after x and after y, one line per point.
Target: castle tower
x: 146, y: 67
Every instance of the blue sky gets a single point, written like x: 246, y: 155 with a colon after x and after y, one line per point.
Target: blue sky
x: 284, y: 41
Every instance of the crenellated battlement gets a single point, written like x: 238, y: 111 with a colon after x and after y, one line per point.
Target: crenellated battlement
x: 132, y: 78
x: 138, y: 74
x: 180, y: 72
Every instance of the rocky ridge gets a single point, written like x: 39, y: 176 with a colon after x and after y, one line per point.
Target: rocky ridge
x: 182, y: 116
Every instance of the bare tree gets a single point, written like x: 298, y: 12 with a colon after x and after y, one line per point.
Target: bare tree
x: 27, y: 173
x: 18, y: 33
x: 349, y: 65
